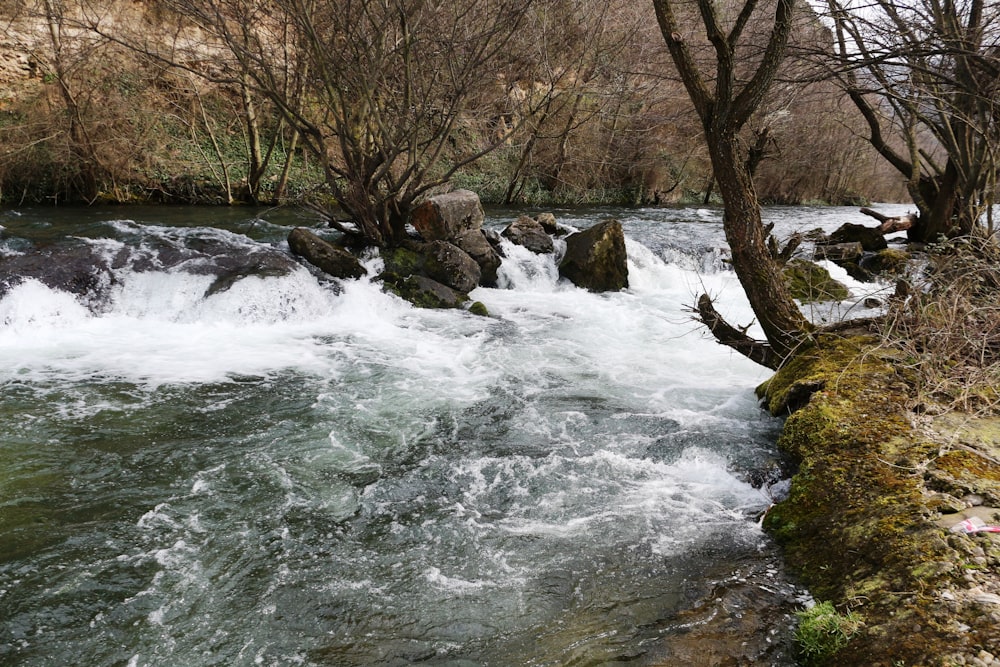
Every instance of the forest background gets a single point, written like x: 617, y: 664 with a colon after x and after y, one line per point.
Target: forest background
x: 576, y: 102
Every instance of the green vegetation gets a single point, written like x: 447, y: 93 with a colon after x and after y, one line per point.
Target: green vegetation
x: 890, y: 423
x: 822, y: 632
x: 810, y: 282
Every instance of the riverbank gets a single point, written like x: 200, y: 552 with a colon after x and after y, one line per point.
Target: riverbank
x: 868, y: 524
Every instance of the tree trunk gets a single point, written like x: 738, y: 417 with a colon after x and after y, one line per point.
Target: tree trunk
x: 761, y: 277
x: 937, y: 215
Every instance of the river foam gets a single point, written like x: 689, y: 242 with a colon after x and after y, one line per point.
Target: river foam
x: 298, y: 471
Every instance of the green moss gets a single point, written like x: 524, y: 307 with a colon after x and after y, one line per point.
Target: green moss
x: 965, y: 464
x: 810, y: 282
x: 401, y: 263
x: 891, y: 261
x: 478, y: 308
x: 855, y: 525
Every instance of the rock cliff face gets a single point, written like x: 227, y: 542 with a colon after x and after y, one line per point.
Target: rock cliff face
x: 868, y: 522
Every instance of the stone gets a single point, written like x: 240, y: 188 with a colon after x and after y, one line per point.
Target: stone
x: 987, y: 598
x: 595, y: 258
x: 870, y: 238
x: 527, y: 232
x: 475, y: 244
x: 945, y: 503
x: 75, y: 267
x: 839, y: 252
x: 452, y: 266
x: 549, y: 224
x: 810, y: 282
x: 424, y: 292
x: 889, y: 261
x: 444, y: 217
x: 479, y: 308
x: 328, y: 257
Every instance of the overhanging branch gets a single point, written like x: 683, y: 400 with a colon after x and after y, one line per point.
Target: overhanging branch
x: 756, y: 350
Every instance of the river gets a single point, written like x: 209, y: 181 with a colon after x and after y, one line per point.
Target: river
x: 294, y: 471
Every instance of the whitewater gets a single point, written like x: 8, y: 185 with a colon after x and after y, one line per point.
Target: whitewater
x: 301, y: 471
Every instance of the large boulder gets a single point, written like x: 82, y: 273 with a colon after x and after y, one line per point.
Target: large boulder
x: 452, y: 266
x: 528, y: 232
x: 595, y: 258
x: 330, y: 258
x: 445, y: 217
x: 475, y: 244
x: 440, y: 261
x: 424, y: 292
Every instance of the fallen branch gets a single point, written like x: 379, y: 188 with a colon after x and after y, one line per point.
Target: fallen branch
x: 755, y: 350
x: 892, y: 224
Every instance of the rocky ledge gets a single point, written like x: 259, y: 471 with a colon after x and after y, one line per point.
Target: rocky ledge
x: 889, y: 510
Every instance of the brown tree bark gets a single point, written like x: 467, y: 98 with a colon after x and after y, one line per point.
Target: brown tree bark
x: 724, y: 111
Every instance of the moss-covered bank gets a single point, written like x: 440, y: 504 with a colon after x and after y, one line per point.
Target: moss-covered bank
x: 877, y: 487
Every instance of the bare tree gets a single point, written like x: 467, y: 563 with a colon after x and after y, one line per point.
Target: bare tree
x: 926, y: 77
x: 725, y: 99
x: 385, y: 94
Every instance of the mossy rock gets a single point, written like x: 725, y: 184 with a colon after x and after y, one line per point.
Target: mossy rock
x: 857, y: 525
x: 423, y: 292
x: 479, y: 308
x: 888, y: 262
x: 401, y: 262
x: 809, y: 282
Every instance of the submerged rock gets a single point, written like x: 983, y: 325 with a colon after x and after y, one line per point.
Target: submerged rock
x: 91, y: 269
x: 76, y: 267
x: 596, y: 259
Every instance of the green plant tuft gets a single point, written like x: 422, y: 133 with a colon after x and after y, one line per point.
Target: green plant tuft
x: 823, y: 631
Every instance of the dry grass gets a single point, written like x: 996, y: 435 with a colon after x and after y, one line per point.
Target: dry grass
x: 948, y: 328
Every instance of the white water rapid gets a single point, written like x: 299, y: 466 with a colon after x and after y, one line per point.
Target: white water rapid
x: 294, y: 471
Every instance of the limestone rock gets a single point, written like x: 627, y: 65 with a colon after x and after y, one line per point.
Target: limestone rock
x: 452, y: 266
x: 595, y: 258
x: 440, y: 261
x: 477, y: 246
x: 549, y: 224
x: 529, y: 233
x: 326, y: 256
x: 445, y: 217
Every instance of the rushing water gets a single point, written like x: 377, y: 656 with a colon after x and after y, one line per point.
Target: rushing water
x: 294, y: 471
